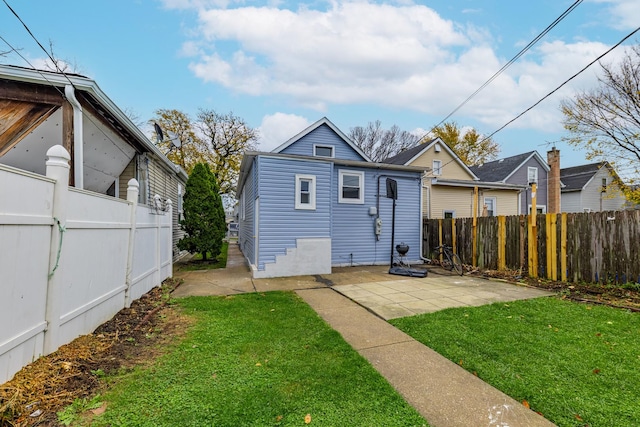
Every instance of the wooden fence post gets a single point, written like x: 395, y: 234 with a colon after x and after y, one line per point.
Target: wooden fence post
x: 552, y: 251
x: 502, y: 242
x: 563, y: 247
x: 533, y: 235
x: 474, y: 238
x: 58, y: 169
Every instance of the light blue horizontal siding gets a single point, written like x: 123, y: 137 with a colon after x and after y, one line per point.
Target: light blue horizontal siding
x: 323, y: 135
x: 280, y: 224
x: 353, y: 241
x: 246, y: 231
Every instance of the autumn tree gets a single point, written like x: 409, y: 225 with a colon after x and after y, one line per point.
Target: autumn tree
x: 226, y: 138
x: 179, y: 142
x: 379, y: 143
x: 470, y: 146
x: 204, y: 219
x: 605, y: 121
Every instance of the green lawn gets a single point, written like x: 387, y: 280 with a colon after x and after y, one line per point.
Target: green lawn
x: 577, y: 364
x: 256, y: 360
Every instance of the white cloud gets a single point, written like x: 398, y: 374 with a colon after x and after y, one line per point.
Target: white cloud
x: 278, y: 128
x: 394, y: 56
x: 625, y: 13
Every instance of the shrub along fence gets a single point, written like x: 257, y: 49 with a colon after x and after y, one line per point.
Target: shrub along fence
x: 590, y: 247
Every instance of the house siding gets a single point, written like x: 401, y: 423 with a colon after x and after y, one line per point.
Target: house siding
x: 246, y: 231
x: 280, y: 224
x: 353, y: 238
x: 451, y: 169
x: 571, y: 202
x: 520, y: 177
x: 323, y: 135
x: 612, y: 199
x: 458, y: 199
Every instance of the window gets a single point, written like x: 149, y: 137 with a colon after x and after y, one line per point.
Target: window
x: 305, y: 192
x: 243, y: 206
x: 351, y: 187
x: 541, y: 209
x: 532, y: 175
x: 490, y: 206
x: 323, y: 150
x: 437, y: 167
x: 449, y: 214
x: 604, y: 185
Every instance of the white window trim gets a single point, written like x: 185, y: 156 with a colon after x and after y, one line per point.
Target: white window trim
x: 312, y: 192
x: 358, y: 201
x: 446, y: 211
x: 437, y: 170
x: 529, y: 170
x: 333, y: 150
x: 495, y: 204
x: 543, y: 207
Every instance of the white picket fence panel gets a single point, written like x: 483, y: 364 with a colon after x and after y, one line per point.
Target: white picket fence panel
x: 112, y: 252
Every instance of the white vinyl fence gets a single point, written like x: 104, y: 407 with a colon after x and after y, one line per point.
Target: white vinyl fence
x: 70, y: 259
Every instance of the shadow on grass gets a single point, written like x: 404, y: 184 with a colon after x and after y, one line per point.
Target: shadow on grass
x: 196, y: 262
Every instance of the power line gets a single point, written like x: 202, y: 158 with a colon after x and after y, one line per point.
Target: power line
x: 561, y: 85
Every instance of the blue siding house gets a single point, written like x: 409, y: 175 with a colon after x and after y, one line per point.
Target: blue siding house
x: 312, y: 204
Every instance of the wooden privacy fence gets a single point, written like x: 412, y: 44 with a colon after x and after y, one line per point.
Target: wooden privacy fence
x: 590, y: 247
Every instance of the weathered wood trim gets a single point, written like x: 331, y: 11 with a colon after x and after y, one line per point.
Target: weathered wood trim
x: 18, y: 119
x: 29, y: 92
x: 67, y: 137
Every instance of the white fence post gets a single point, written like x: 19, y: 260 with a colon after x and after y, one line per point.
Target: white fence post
x: 170, y: 245
x: 58, y: 169
x: 133, y: 189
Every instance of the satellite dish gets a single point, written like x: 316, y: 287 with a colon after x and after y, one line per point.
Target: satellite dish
x: 174, y: 139
x: 158, y: 130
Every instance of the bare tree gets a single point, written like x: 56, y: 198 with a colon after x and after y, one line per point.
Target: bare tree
x: 379, y: 143
x: 605, y: 121
x: 226, y: 138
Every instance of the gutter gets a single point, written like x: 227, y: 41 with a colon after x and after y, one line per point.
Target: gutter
x: 78, y: 149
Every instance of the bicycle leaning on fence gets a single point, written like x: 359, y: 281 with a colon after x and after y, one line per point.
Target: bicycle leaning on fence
x: 447, y: 259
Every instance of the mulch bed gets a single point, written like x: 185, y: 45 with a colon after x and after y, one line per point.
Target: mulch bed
x: 620, y: 296
x: 134, y: 336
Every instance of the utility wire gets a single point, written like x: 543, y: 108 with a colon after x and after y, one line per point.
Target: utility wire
x: 512, y: 60
x: 561, y: 85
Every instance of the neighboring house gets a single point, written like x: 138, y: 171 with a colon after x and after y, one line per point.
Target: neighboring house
x: 451, y: 186
x: 39, y: 109
x: 591, y: 188
x: 315, y: 201
x: 523, y: 170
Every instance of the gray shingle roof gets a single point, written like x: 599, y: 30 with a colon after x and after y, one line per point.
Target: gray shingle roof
x: 405, y: 156
x: 499, y: 170
x: 575, y: 178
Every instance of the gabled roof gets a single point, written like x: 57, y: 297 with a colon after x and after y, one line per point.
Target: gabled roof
x: 409, y: 156
x: 96, y: 97
x: 314, y: 126
x: 501, y: 170
x: 577, y: 177
x: 248, y: 157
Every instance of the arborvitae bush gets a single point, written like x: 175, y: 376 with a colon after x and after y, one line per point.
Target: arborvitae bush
x: 204, y: 218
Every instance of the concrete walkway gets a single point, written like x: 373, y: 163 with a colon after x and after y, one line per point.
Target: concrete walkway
x: 354, y: 301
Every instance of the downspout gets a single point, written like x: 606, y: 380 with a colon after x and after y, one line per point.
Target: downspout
x: 78, y: 159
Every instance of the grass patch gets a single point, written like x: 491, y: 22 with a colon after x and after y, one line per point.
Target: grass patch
x: 577, y: 364
x: 196, y: 262
x: 256, y: 360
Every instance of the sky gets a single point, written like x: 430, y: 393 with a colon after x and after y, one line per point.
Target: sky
x: 282, y: 65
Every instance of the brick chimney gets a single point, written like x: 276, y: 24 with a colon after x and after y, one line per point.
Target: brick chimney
x: 553, y: 181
